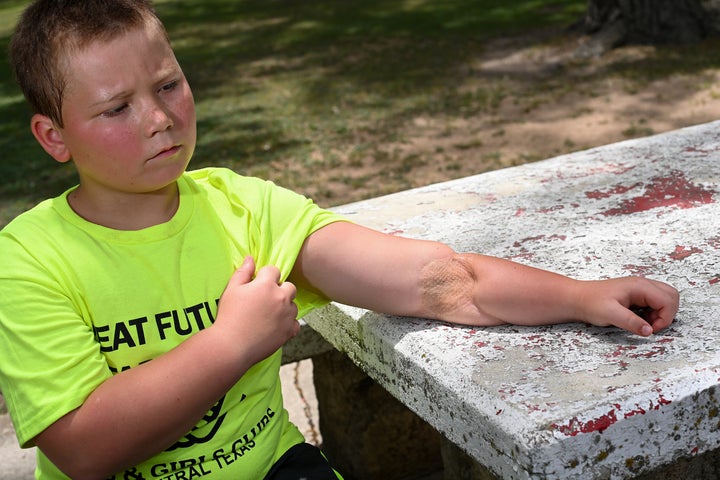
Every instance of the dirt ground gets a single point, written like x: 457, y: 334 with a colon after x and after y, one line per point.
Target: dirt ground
x: 548, y: 102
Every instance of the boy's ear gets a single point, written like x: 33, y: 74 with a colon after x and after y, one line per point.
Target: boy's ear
x: 49, y: 137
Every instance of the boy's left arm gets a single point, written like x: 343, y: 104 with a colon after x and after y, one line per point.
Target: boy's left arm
x: 358, y: 266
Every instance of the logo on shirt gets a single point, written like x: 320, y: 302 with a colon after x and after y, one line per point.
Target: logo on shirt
x: 206, y: 429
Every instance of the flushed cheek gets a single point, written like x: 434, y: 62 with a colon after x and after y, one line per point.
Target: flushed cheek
x: 118, y: 148
x: 185, y: 114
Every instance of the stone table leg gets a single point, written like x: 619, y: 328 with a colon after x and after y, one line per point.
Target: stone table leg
x: 367, y: 434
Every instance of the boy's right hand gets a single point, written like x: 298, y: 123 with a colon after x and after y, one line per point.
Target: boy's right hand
x: 145, y: 409
x: 257, y: 313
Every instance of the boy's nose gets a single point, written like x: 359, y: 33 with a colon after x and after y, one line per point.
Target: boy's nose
x: 158, y: 119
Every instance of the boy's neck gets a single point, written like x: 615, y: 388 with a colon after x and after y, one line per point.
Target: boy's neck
x: 126, y: 211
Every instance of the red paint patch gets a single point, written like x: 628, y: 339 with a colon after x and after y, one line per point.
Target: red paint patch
x: 655, y: 351
x: 528, y: 239
x: 617, y: 190
x: 640, y: 270
x: 600, y: 424
x: 631, y: 351
x: 673, y: 190
x: 620, y: 350
x: 638, y: 411
x: 575, y: 426
x: 519, y: 243
x: 533, y: 408
x: 613, y: 168
x: 701, y: 151
x: 682, y: 252
x: 551, y: 209
x: 522, y: 256
x: 714, y: 242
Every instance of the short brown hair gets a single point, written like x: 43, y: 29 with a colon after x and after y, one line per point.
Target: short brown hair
x: 49, y: 30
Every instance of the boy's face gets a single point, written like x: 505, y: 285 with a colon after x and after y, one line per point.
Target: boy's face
x: 128, y: 112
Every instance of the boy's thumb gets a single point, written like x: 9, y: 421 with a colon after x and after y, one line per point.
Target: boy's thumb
x: 246, y: 271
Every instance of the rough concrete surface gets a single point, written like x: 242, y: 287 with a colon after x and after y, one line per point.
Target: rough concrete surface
x: 564, y: 401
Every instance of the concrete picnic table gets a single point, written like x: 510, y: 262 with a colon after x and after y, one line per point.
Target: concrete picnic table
x: 568, y: 401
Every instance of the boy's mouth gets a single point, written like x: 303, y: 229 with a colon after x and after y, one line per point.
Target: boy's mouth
x: 167, y: 152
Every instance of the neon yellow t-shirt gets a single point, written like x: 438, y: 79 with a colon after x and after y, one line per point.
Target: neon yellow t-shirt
x: 80, y: 302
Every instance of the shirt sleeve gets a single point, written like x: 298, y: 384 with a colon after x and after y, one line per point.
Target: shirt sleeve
x: 280, y: 220
x: 50, y: 362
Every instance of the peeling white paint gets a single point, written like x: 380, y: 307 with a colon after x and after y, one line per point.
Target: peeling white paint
x: 568, y: 401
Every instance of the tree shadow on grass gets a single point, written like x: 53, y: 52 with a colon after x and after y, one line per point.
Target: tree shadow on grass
x: 352, y: 69
x: 358, y: 58
x: 374, y: 58
x: 25, y: 169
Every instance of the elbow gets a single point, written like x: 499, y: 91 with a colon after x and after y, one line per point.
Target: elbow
x: 83, y: 467
x: 446, y: 285
x: 77, y: 462
x: 449, y: 287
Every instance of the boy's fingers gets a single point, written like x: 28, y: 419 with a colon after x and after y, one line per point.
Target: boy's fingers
x: 663, y: 297
x: 296, y: 328
x: 245, y: 272
x: 662, y: 302
x: 663, y: 317
x: 291, y: 289
x: 269, y: 273
x: 632, y: 322
x: 649, y: 306
x: 646, y: 321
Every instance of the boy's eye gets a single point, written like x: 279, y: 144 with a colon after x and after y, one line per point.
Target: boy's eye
x: 169, y: 86
x: 115, y: 111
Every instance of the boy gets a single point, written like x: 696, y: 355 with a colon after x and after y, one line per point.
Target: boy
x: 142, y: 312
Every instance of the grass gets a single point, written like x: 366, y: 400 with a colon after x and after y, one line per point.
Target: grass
x: 308, y: 93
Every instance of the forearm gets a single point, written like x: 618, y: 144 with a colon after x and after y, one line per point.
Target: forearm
x: 523, y: 295
x: 144, y: 410
x: 481, y: 290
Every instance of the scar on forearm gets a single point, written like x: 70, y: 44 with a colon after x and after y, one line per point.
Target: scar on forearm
x: 447, y: 284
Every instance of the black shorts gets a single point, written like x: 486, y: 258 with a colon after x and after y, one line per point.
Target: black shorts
x: 302, y: 462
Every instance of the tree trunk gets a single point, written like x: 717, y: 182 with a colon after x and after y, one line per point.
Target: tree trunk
x: 614, y: 22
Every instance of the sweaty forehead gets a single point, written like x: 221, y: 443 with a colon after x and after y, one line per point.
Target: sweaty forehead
x: 143, y: 49
x: 82, y: 33
x: 105, y: 68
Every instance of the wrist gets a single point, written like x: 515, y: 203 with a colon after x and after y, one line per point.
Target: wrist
x: 579, y: 300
